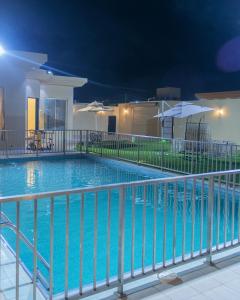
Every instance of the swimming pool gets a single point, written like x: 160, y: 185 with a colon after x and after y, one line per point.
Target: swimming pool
x: 24, y: 176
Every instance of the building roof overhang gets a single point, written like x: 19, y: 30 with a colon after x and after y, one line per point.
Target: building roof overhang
x: 47, y: 78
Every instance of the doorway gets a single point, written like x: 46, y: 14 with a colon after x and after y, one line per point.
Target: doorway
x: 32, y: 114
x: 112, y: 124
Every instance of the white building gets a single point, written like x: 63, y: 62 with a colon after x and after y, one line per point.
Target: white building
x: 32, y: 98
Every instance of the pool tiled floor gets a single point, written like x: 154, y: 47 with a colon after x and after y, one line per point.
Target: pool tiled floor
x: 7, y: 278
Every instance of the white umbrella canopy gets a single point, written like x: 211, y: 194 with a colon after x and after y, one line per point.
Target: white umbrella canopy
x: 184, y: 110
x: 95, y: 107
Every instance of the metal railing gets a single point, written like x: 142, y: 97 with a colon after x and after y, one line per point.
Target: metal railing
x: 37, y: 142
x: 183, y: 156
x: 127, y: 230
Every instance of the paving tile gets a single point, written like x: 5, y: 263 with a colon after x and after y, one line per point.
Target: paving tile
x: 149, y: 292
x: 204, y: 284
x: 182, y: 293
x: 233, y: 285
x: 198, y: 297
x: 221, y: 293
x: 8, y: 277
x: 224, y: 276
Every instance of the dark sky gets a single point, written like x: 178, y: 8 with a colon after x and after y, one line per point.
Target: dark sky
x: 140, y: 45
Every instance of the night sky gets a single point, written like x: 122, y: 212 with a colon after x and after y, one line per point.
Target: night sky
x: 131, y: 47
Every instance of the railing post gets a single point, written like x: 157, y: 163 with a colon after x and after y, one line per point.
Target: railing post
x: 121, y: 235
x: 64, y: 141
x: 36, y: 138
x: 87, y: 136
x: 6, y: 143
x: 118, y: 150
x: 230, y: 160
x: 80, y: 140
x: 101, y: 144
x: 210, y: 219
x: 138, y: 150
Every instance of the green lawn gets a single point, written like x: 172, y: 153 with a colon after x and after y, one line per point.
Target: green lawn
x: 160, y: 153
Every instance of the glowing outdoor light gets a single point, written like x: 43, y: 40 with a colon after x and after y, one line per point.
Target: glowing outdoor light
x: 2, y: 50
x: 220, y: 112
x: 125, y: 111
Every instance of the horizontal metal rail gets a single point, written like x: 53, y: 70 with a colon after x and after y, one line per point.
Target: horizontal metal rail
x: 178, y: 155
x: 179, y: 218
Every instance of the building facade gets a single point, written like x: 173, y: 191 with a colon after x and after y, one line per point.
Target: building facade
x: 32, y: 98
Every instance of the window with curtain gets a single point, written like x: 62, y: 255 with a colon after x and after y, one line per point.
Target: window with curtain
x: 52, y: 114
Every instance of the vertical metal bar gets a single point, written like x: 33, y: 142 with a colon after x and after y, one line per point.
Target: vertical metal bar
x: 121, y: 240
x: 133, y: 230
x: 184, y: 220
x: 218, y: 212
x: 210, y: 218
x: 155, y: 195
x: 175, y: 221
x: 144, y: 228
x: 201, y: 215
x: 95, y: 242
x: 192, y: 162
x: 81, y: 245
x: 66, y: 248
x: 87, y: 140
x: 51, y: 248
x: 226, y: 211
x: 35, y: 232
x: 108, y: 237
x: 81, y: 140
x: 193, y: 217
x: 17, y: 248
x: 238, y: 219
x: 233, y: 208
x: 165, y: 223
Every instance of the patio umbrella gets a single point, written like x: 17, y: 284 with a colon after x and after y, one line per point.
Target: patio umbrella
x: 95, y: 107
x: 183, y: 110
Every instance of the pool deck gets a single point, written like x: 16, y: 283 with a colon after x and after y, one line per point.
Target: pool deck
x: 7, y: 278
x: 195, y: 281
x: 201, y: 282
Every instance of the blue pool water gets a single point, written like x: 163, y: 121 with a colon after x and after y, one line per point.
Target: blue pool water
x: 21, y: 177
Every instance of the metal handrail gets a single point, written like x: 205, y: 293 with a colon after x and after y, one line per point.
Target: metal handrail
x: 7, y: 223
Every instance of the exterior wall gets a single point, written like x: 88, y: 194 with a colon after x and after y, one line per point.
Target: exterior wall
x: 14, y: 99
x: 92, y: 120
x: 61, y: 93
x: 138, y: 118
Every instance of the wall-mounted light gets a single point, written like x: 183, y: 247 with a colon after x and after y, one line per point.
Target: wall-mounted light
x: 125, y: 111
x: 220, y: 112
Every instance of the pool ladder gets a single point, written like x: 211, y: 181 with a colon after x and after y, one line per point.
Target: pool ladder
x: 5, y: 222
